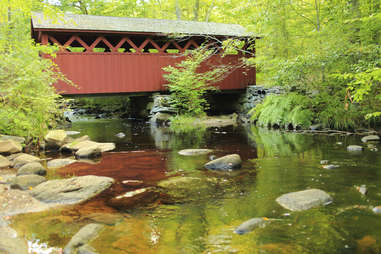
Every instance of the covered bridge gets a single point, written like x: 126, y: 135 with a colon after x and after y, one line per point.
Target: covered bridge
x: 108, y: 55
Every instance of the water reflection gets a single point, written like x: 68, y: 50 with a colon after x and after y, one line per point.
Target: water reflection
x: 274, y: 163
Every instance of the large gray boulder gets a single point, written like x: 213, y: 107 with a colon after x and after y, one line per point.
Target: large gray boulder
x: 194, y: 152
x: 23, y: 159
x: 72, y: 190
x: 58, y: 163
x: 17, y: 139
x: 55, y: 138
x: 304, y: 200
x: 25, y: 182
x: 82, y: 237
x: 228, y: 162
x: 4, y: 162
x: 370, y: 138
x: 9, y: 146
x: 32, y: 168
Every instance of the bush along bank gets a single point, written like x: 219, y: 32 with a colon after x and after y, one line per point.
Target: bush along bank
x: 318, y: 111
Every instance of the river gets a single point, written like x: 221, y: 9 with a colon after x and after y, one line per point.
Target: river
x: 274, y: 163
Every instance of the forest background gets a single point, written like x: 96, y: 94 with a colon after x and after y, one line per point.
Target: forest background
x: 324, y: 53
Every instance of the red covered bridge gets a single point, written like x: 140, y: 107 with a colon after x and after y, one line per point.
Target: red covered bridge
x: 105, y: 55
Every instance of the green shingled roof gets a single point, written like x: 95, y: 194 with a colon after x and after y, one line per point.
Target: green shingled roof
x: 121, y: 24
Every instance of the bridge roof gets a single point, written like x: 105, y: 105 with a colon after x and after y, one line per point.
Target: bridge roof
x: 135, y: 25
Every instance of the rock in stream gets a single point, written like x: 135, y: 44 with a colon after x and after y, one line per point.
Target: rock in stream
x: 304, y: 200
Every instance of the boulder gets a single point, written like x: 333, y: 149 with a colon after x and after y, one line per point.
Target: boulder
x: 57, y: 163
x: 161, y: 118
x: 105, y: 147
x: 4, y: 162
x: 32, y: 168
x: 134, y: 198
x: 186, y: 188
x: 303, y: 200
x: 9, y: 146
x: 72, y: 190
x: 370, y: 138
x: 10, y: 243
x: 25, y: 182
x: 82, y: 237
x: 89, y: 152
x: 55, y: 138
x: 23, y: 159
x: 75, y: 146
x: 250, y: 225
x: 354, y: 148
x: 228, y: 162
x: 194, y: 152
x: 17, y: 139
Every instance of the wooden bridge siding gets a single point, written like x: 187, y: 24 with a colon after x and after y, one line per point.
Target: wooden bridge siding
x: 102, y: 73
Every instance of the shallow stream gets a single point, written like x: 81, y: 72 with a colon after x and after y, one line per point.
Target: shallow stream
x: 274, y: 163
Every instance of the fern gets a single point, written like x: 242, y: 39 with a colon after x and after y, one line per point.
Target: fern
x: 283, y: 110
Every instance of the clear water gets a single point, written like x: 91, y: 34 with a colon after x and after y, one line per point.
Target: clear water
x: 274, y: 163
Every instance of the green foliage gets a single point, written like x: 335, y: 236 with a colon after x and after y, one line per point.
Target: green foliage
x: 29, y: 104
x: 188, y: 84
x: 283, y: 110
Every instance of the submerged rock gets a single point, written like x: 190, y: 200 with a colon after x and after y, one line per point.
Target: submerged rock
x: 4, y: 162
x: 32, y: 168
x: 377, y: 210
x: 25, y: 182
x: 303, y: 200
x: 57, y: 163
x: 354, y: 148
x: 370, y: 138
x: 228, y: 162
x: 71, y: 191
x: 132, y: 183
x: 194, y: 152
x: 82, y: 237
x: 9, y: 146
x: 250, y: 225
x: 330, y: 166
x: 120, y: 135
x: 186, y: 188
x: 362, y: 189
x: 133, y: 198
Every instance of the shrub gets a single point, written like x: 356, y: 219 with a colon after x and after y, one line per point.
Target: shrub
x: 188, y: 85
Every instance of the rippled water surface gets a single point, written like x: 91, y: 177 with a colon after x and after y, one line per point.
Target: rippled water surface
x: 274, y: 163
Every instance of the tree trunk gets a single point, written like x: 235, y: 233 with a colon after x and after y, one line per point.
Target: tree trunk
x: 210, y: 9
x: 178, y: 10
x: 196, y: 8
